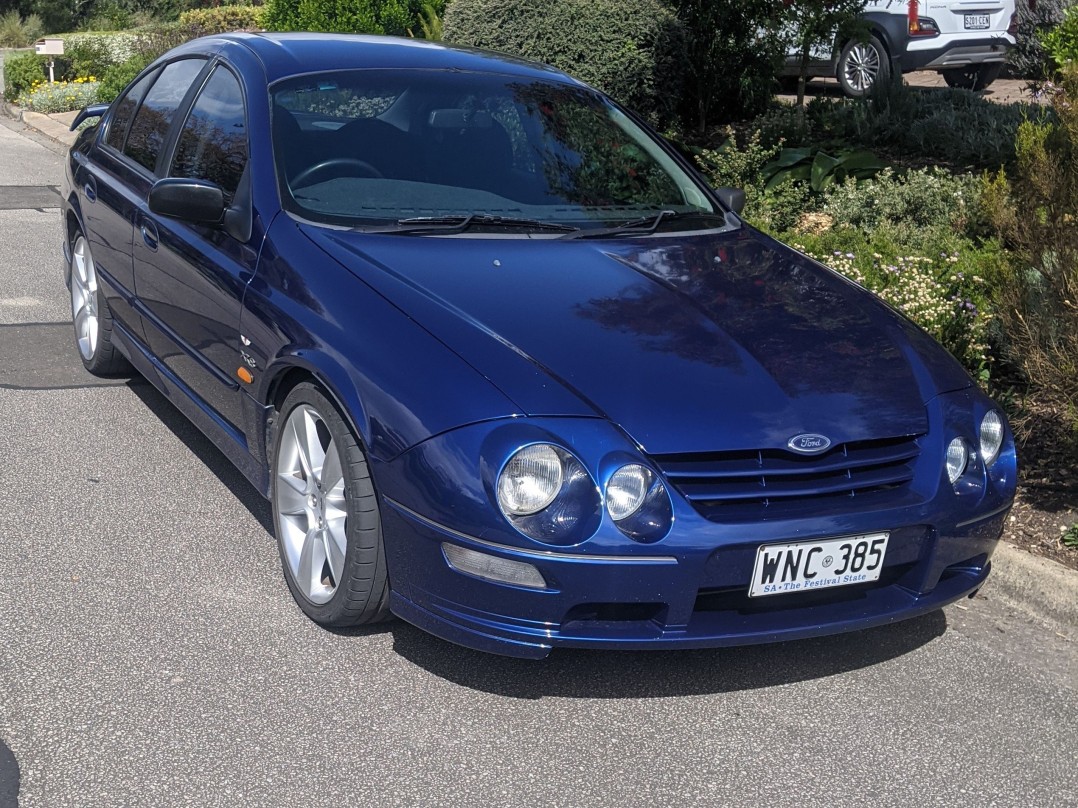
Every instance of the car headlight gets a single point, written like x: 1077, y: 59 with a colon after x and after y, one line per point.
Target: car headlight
x: 636, y: 500
x: 991, y: 437
x: 530, y: 480
x: 957, y: 458
x: 547, y: 494
x: 626, y: 490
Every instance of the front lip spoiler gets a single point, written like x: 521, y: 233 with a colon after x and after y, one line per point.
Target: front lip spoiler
x: 548, y: 555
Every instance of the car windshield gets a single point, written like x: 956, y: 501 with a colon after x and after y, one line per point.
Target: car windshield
x: 370, y: 148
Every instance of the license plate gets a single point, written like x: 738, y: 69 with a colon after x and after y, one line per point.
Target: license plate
x: 978, y: 22
x: 807, y: 565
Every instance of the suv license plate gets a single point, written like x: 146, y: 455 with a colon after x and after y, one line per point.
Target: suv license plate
x: 978, y: 22
x: 807, y: 565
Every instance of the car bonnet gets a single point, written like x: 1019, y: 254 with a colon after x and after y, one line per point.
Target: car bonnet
x: 688, y: 343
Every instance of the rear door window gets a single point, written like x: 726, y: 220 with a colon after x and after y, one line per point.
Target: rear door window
x: 154, y: 116
x: 125, y: 111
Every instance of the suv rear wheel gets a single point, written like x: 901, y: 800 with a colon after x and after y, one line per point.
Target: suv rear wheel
x: 972, y: 77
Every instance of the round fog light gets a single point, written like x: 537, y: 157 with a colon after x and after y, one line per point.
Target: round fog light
x: 991, y: 437
x: 957, y: 457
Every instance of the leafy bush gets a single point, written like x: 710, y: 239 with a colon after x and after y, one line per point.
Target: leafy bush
x: 733, y: 58
x: 224, y: 18
x: 87, y: 57
x: 18, y: 32
x: 63, y: 96
x: 153, y: 40
x: 956, y: 127
x: 818, y: 168
x: 119, y: 76
x: 1062, y: 41
x: 21, y: 70
x: 1037, y: 213
x: 1028, y: 57
x: 395, y: 17
x: 910, y: 202
x: 631, y: 49
x: 108, y: 47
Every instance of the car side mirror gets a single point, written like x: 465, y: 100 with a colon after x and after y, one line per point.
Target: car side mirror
x: 733, y: 198
x: 194, y: 201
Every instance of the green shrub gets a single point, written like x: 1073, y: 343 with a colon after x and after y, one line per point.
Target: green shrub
x: 1062, y: 41
x: 1036, y: 211
x: 394, y: 17
x: 1028, y: 57
x: 63, y: 96
x: 224, y: 18
x: 21, y: 70
x: 733, y: 55
x: 911, y: 201
x: 119, y: 76
x: 17, y: 31
x: 956, y: 127
x: 106, y: 47
x: 786, y: 122
x: 631, y: 49
x: 87, y: 58
x: 742, y: 166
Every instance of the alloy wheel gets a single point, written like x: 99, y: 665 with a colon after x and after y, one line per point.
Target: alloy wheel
x: 84, y: 298
x: 862, y: 67
x: 310, y: 504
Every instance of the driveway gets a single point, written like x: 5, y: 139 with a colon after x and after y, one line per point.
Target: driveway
x: 150, y: 654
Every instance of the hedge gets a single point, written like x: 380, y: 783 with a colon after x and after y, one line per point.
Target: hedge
x: 632, y: 50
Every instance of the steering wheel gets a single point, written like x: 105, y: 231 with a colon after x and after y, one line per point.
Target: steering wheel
x: 342, y: 166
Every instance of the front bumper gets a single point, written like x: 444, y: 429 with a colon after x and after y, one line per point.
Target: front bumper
x: 691, y: 598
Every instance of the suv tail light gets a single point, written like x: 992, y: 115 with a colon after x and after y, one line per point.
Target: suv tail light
x: 1012, y: 27
x: 918, y: 25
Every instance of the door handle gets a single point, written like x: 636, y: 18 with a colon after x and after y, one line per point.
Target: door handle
x: 90, y: 189
x: 149, y: 234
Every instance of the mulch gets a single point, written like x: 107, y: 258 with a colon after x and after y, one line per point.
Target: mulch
x: 1047, y: 501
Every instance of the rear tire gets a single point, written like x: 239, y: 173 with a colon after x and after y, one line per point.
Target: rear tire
x: 972, y: 77
x: 861, y: 66
x: 325, y: 514
x: 91, y: 316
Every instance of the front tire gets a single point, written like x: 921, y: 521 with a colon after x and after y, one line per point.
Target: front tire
x: 972, y: 77
x: 862, y: 65
x: 91, y: 316
x: 325, y: 513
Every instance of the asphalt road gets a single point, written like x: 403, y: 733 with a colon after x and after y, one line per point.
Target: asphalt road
x: 150, y: 653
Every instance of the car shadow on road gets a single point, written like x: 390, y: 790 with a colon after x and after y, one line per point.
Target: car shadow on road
x: 572, y: 673
x: 204, y: 450
x: 9, y: 778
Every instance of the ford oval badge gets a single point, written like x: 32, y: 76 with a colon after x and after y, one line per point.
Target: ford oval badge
x: 810, y: 443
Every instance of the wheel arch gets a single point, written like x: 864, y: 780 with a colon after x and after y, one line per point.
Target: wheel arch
x: 291, y: 370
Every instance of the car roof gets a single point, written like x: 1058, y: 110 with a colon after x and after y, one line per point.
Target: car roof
x: 290, y: 54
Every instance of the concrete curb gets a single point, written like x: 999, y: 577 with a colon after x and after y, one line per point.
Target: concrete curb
x: 1040, y: 587
x: 51, y: 126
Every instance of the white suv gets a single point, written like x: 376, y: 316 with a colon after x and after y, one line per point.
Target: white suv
x: 965, y: 40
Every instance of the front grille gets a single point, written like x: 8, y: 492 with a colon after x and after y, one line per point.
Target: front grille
x: 774, y: 483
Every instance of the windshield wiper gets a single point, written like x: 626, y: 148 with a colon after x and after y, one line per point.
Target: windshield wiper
x: 459, y: 224
x: 644, y: 225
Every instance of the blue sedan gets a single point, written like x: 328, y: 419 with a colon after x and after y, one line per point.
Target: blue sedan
x: 506, y: 367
